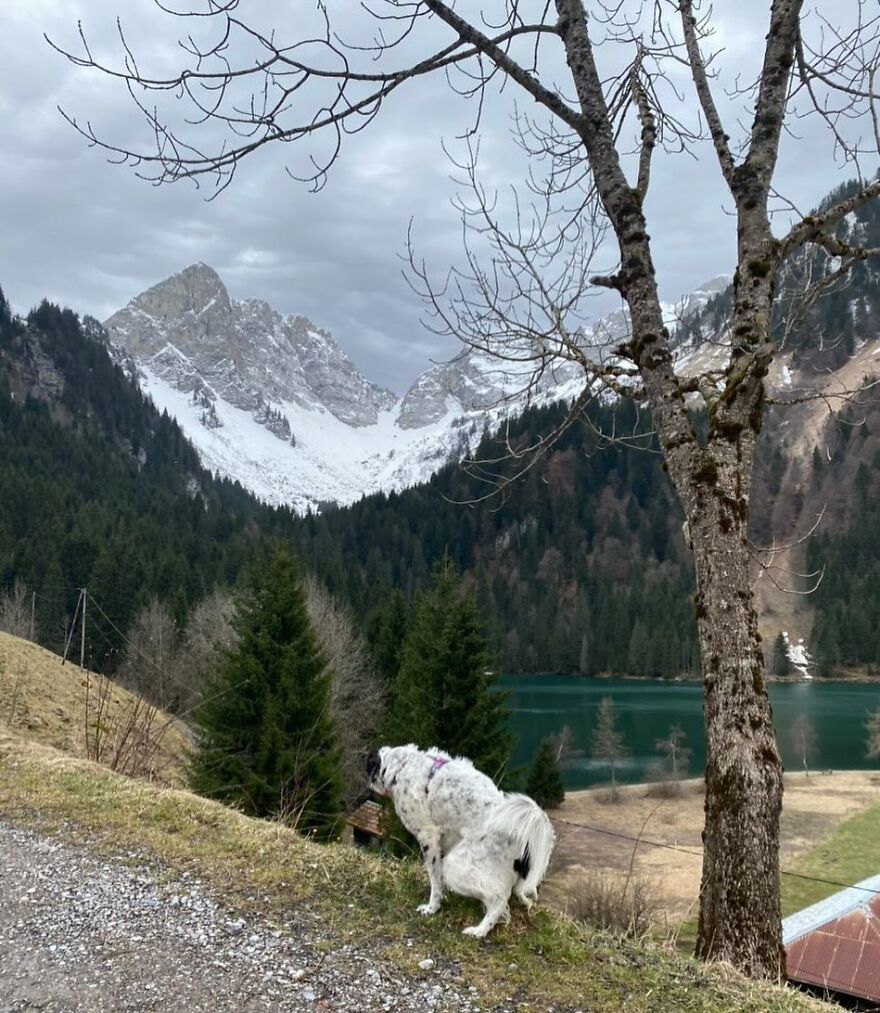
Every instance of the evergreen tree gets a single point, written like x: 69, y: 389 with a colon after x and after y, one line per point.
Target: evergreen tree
x: 781, y: 662
x: 608, y: 744
x: 267, y: 743
x: 544, y: 783
x: 444, y: 694
x: 386, y: 633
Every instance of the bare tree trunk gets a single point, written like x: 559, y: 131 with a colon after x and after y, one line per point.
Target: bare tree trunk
x: 739, y: 898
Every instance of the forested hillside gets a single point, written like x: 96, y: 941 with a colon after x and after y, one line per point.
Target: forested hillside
x: 579, y: 565
x: 100, y: 490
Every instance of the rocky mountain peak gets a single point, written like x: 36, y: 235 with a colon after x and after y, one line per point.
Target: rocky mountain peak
x: 192, y: 293
x: 314, y: 429
x: 190, y: 333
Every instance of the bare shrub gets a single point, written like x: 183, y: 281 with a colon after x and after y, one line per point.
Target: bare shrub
x: 803, y: 740
x: 669, y: 771
x: 123, y: 734
x: 15, y: 611
x: 609, y: 795
x: 659, y: 786
x: 209, y: 632
x: 872, y: 726
x: 563, y: 745
x: 14, y: 695
x: 604, y: 902
x: 356, y: 696
x: 298, y: 794
x: 148, y: 661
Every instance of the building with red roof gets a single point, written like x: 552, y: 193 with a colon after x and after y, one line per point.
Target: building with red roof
x: 835, y: 944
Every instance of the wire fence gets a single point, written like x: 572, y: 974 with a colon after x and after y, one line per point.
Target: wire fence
x: 639, y: 840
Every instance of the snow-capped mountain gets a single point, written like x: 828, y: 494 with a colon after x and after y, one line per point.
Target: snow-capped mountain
x: 272, y: 400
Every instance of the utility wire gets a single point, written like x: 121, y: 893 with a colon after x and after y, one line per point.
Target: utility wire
x: 699, y: 854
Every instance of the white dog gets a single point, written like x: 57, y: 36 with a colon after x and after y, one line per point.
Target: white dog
x: 476, y: 840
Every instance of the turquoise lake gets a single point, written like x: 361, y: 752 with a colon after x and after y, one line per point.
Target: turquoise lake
x: 542, y: 705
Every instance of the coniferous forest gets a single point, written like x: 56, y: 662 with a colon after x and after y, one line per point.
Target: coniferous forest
x: 578, y: 566
x: 99, y: 490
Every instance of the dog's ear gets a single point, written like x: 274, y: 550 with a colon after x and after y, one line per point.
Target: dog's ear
x: 374, y: 765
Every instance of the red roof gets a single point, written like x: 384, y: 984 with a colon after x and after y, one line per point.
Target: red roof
x: 843, y: 954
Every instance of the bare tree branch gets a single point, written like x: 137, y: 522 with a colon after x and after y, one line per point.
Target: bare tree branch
x: 704, y: 91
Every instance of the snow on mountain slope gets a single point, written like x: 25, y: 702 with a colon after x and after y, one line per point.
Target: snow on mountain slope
x: 331, y: 460
x: 273, y: 402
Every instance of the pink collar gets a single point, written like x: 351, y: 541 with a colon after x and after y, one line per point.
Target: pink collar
x: 437, y: 762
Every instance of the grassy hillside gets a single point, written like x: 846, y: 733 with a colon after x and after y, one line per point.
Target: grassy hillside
x: 362, y: 899
x: 47, y: 702
x: 848, y: 855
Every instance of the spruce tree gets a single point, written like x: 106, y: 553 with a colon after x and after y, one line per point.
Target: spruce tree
x: 444, y: 694
x: 544, y: 783
x: 267, y: 743
x: 386, y: 633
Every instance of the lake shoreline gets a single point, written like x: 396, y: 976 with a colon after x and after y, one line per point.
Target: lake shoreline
x: 840, y: 680
x: 646, y: 710
x: 692, y: 784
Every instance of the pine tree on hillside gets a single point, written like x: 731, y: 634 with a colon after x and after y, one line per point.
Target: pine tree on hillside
x: 444, y: 694
x: 267, y: 742
x: 544, y: 783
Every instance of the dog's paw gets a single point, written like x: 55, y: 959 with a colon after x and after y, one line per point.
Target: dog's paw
x: 428, y: 909
x: 475, y: 931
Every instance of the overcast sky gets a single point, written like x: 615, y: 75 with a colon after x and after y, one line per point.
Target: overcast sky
x: 91, y: 235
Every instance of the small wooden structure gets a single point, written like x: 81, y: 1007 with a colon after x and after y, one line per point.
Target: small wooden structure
x: 365, y: 823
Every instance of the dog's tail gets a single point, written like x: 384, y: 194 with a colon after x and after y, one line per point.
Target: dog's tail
x: 527, y: 825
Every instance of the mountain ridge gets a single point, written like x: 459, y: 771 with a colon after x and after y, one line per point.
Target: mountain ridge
x: 274, y: 402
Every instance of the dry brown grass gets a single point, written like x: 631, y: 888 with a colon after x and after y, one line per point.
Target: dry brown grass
x: 618, y: 904
x: 45, y: 701
x: 812, y: 809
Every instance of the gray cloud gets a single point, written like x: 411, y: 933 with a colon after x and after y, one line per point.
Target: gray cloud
x: 90, y: 235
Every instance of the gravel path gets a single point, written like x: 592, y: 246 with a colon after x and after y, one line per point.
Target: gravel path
x: 78, y: 933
